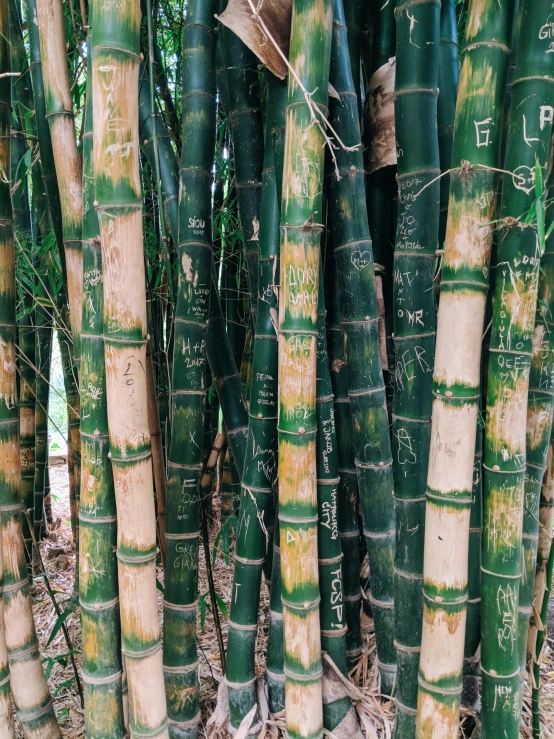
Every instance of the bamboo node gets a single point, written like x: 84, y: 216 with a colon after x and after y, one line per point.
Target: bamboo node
x: 448, y: 393
x: 96, y: 432
x: 301, y: 430
x: 96, y: 203
x: 496, y: 468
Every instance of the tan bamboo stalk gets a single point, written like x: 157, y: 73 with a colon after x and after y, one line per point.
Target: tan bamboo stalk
x: 301, y: 216
x: 456, y: 377
x: 61, y: 119
x: 29, y: 689
x: 7, y: 730
x: 115, y: 67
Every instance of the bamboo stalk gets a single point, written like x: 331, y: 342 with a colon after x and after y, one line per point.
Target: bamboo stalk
x: 115, y: 68
x: 61, y: 119
x: 358, y: 310
x: 29, y: 689
x: 188, y: 390
x: 218, y: 349
x: 7, y: 728
x: 244, y: 114
x: 301, y: 216
x: 543, y: 586
x: 260, y: 463
x: 99, y: 593
x: 339, y: 716
x: 446, y: 103
x: 348, y: 517
x: 23, y: 233
x: 514, y: 304
x: 414, y: 323
x: 456, y: 376
x: 540, y: 410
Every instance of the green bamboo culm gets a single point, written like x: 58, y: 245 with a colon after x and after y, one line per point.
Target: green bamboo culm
x: 348, y: 517
x: 244, y: 114
x: 260, y: 462
x: 543, y: 586
x: 301, y: 216
x: 30, y: 692
x: 414, y: 323
x: 61, y: 120
x: 99, y: 593
x: 188, y: 387
x: 449, y: 73
x: 118, y: 202
x: 528, y: 136
x: 21, y: 129
x: 540, y: 410
x: 339, y: 716
x: 218, y: 349
x: 456, y: 377
x: 351, y: 241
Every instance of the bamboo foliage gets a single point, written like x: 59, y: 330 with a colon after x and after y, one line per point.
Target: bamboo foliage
x: 358, y: 310
x: 515, y: 296
x: 456, y: 377
x: 188, y: 397
x: 32, y: 699
x: 99, y: 595
x: 115, y: 67
x: 61, y: 119
x: 416, y: 93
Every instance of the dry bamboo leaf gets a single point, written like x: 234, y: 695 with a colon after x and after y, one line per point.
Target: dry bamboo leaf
x: 246, y: 723
x: 379, y: 118
x: 275, y: 16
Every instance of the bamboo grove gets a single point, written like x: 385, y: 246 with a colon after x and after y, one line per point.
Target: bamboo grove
x: 298, y: 259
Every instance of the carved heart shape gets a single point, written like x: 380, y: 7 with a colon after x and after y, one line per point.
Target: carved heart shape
x: 360, y: 259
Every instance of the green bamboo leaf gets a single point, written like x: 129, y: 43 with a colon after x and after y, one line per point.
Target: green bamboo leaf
x: 222, y: 606
x: 61, y: 619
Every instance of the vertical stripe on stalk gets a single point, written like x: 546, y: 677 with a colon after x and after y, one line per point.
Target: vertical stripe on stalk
x: 358, y: 309
x: 99, y: 594
x: 31, y: 697
x: 115, y: 67
x: 260, y: 463
x: 528, y: 138
x: 188, y: 390
x: 456, y: 377
x: 414, y: 323
x: 61, y: 119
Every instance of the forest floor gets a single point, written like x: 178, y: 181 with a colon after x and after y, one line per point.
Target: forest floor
x: 58, y: 554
